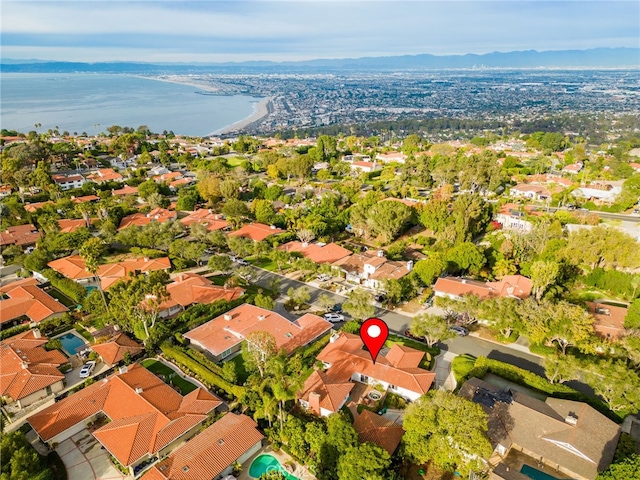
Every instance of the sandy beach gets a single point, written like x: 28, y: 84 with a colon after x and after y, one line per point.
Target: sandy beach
x: 260, y: 109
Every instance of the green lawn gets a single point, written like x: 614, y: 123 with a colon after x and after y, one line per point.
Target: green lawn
x: 427, y: 361
x: 169, y: 376
x: 241, y: 370
x: 235, y: 161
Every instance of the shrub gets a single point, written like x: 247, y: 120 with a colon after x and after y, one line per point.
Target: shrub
x: 71, y: 289
x: 203, y: 373
x: 57, y: 466
x: 10, y: 332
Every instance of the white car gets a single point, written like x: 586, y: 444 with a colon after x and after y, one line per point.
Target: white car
x: 323, y: 277
x: 333, y: 317
x: 87, y: 368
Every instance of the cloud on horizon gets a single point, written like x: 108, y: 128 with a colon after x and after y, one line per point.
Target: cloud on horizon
x: 205, y: 31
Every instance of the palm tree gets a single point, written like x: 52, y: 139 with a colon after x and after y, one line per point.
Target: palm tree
x: 92, y: 252
x: 284, y: 383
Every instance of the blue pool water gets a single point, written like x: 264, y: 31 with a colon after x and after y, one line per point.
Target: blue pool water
x: 535, y: 474
x: 266, y: 463
x: 71, y: 342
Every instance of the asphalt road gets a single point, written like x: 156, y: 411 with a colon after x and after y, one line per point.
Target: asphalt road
x: 606, y: 215
x: 398, y: 323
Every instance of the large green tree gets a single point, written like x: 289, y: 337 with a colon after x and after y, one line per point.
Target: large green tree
x: 448, y: 430
x: 433, y: 328
x: 367, y: 461
x: 359, y: 304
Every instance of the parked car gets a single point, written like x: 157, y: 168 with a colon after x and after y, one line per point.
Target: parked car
x: 333, y: 317
x: 463, y: 332
x: 239, y: 261
x: 323, y: 277
x: 337, y: 308
x: 87, y: 368
x: 380, y: 297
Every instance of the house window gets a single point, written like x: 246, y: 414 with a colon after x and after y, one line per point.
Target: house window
x: 393, y: 387
x: 364, y: 379
x: 226, y: 353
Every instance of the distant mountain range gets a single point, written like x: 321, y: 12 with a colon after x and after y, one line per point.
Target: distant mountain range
x: 592, y: 58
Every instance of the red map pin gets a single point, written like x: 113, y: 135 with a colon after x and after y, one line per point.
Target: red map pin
x: 374, y: 333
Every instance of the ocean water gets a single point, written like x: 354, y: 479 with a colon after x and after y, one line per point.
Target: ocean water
x: 92, y: 102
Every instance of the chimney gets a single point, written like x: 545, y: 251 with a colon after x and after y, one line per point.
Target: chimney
x: 334, y: 337
x: 410, y: 265
x: 138, y: 390
x: 122, y: 369
x: 36, y: 333
x: 381, y: 253
x: 260, y: 318
x: 24, y: 365
x: 272, y: 227
x: 227, y: 316
x: 314, y: 402
x: 116, y: 328
x: 146, y: 259
x: 571, y: 419
x: 305, y: 244
x: 464, y: 280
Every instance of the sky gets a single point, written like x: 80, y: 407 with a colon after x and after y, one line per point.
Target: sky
x: 240, y: 30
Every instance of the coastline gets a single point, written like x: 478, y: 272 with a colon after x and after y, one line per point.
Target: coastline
x: 260, y: 108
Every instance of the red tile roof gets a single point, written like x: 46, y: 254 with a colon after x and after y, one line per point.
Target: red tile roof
x: 398, y: 366
x: 510, y: 286
x: 19, y: 235
x: 318, y: 253
x: 145, y: 413
x: 256, y: 231
x: 27, y: 300
x: 331, y: 389
x: 113, y: 351
x: 71, y: 225
x: 377, y: 429
x: 105, y: 175
x: 189, y: 288
x: 159, y: 215
x: 126, y: 190
x: 211, y: 452
x: 73, y: 267
x: 26, y: 366
x: 213, y: 221
x: 220, y: 334
x: 32, y: 207
x: 167, y: 177
x: 609, y: 319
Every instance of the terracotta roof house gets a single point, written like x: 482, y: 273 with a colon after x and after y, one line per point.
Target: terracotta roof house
x: 573, y: 168
x: 126, y: 190
x: 212, y: 453
x: 317, y: 252
x: 372, y: 268
x: 396, y: 157
x: 73, y: 267
x: 29, y: 372
x: 324, y: 393
x: 609, y: 319
x: 70, y: 225
x: 512, y: 217
x: 407, y: 201
x: 366, y: 167
x: 189, y: 288
x: 105, y: 175
x: 149, y: 419
x: 206, y: 217
x: 510, y: 286
x: 635, y: 166
x: 379, y: 430
x: 181, y: 182
x: 32, y: 207
x: 85, y: 198
x: 535, y: 192
x: 21, y: 235
x: 167, y: 177
x: 159, y: 215
x: 256, y: 231
x: 396, y: 369
x: 223, y: 336
x: 27, y: 302
x: 68, y: 182
x: 5, y: 191
x: 565, y: 436
x: 112, y: 352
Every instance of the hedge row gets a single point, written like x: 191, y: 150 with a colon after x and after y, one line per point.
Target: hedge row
x: 200, y: 371
x: 71, y: 289
x: 10, y: 332
x: 198, y: 314
x: 535, y: 382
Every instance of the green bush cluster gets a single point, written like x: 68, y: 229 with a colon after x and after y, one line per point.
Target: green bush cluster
x: 71, y: 289
x: 200, y: 371
x: 10, y: 332
x: 612, y: 281
x: 484, y: 365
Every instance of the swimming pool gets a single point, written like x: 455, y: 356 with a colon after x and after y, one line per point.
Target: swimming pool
x: 71, y: 343
x: 266, y: 463
x: 535, y: 473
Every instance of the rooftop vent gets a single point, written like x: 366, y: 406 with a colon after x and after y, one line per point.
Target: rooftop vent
x: 138, y: 390
x: 227, y: 316
x: 464, y: 280
x: 381, y: 253
x: 261, y: 318
x: 220, y: 441
x: 24, y: 364
x: 272, y: 227
x: 122, y: 369
x: 603, y: 311
x: 185, y: 469
x: 571, y: 419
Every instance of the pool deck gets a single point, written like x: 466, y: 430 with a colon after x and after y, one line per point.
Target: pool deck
x: 74, y: 333
x: 300, y: 472
x: 515, y: 460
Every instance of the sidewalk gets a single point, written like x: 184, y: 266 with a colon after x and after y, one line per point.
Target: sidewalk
x: 444, y: 374
x: 521, y: 344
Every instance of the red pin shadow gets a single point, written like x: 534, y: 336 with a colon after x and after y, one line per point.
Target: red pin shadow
x: 374, y: 333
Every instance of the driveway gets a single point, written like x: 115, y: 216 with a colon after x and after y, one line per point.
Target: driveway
x: 85, y: 459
